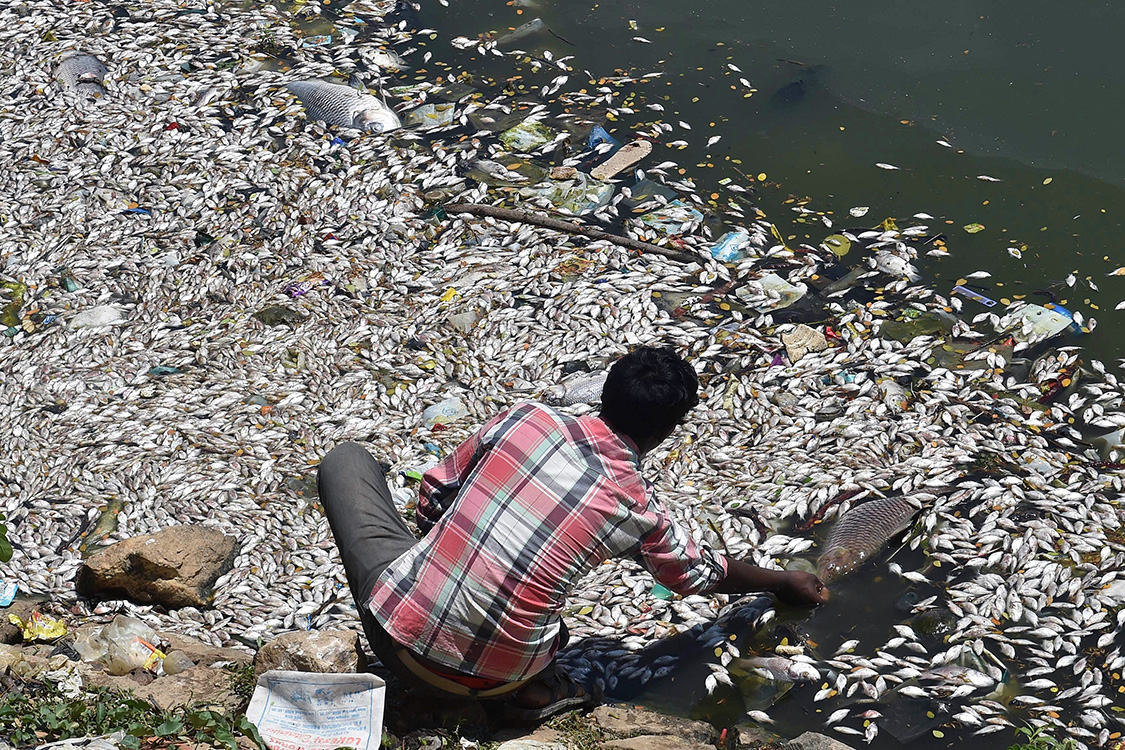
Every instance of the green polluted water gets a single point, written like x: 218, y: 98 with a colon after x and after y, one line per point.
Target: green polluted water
x: 1002, y: 116
x: 992, y: 124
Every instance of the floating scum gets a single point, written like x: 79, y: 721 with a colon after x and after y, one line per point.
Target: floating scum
x: 178, y: 223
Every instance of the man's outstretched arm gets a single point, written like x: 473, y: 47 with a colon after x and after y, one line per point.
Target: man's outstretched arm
x: 790, y: 586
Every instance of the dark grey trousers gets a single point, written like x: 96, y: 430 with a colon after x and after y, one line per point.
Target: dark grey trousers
x: 368, y: 528
x: 371, y: 535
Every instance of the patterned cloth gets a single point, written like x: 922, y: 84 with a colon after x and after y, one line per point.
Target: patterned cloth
x: 519, y: 513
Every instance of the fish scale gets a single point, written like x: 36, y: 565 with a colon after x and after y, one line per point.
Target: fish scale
x: 861, y: 533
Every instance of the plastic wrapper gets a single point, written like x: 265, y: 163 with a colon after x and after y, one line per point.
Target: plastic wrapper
x: 39, y: 627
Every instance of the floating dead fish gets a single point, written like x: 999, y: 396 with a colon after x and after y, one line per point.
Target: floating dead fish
x: 81, y: 73
x: 861, y: 533
x: 534, y: 26
x: 343, y: 106
x: 778, y: 668
x: 587, y: 390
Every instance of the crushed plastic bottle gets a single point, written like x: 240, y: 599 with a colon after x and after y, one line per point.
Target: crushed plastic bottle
x: 176, y: 662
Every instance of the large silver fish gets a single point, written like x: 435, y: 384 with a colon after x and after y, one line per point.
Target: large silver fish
x: 583, y: 390
x: 341, y: 105
x: 81, y: 73
x: 861, y: 533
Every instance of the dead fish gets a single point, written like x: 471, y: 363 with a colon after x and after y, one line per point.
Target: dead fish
x: 82, y: 73
x: 861, y: 533
x: 343, y: 106
x: 777, y: 668
x: 896, y: 265
x: 586, y: 390
x: 533, y: 26
x: 106, y: 525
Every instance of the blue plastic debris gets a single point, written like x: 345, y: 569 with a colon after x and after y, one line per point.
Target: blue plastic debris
x: 8, y: 591
x: 138, y: 210
x: 975, y: 296
x: 598, y: 136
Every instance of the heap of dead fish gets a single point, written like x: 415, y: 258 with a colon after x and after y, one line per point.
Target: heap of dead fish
x: 205, y: 290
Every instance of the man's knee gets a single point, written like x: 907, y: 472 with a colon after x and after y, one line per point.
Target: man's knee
x: 341, y: 458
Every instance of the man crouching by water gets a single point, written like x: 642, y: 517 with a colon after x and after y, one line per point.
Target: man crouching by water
x: 514, y: 518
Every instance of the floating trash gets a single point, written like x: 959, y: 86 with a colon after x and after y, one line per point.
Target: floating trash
x: 430, y: 116
x: 527, y: 136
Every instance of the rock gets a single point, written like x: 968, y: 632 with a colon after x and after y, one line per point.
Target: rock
x: 541, y: 736
x: 335, y: 651
x: 530, y: 744
x: 207, y: 687
x: 814, y: 741
x: 627, y: 720
x: 23, y: 607
x: 754, y: 736
x: 204, y: 654
x: 176, y: 567
x: 658, y: 742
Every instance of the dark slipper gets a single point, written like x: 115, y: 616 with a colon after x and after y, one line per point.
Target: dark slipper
x: 568, y: 696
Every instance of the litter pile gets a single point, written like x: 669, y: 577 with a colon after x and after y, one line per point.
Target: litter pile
x: 205, y: 290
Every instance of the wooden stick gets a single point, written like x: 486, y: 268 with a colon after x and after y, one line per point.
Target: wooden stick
x: 527, y: 217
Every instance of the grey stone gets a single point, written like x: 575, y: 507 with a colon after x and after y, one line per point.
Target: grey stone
x: 658, y: 742
x: 814, y: 741
x: 207, y: 687
x: 626, y: 720
x: 753, y: 736
x: 530, y: 744
x: 204, y: 654
x: 541, y: 735
x: 175, y: 567
x: 334, y: 651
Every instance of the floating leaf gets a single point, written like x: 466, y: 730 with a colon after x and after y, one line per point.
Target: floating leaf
x: 974, y: 228
x: 838, y: 244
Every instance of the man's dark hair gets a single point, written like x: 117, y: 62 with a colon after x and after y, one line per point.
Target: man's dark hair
x: 648, y: 392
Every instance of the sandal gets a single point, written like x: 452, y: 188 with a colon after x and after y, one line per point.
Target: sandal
x: 567, y: 693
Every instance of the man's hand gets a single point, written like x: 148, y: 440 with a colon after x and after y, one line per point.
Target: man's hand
x: 802, y: 589
x: 790, y: 586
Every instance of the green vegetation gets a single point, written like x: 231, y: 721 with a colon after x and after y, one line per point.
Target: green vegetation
x: 578, y: 732
x: 242, y: 682
x: 1038, y: 739
x: 32, y: 713
x: 5, y: 545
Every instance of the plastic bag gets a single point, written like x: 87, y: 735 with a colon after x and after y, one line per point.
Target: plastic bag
x: 122, y: 646
x: 444, y: 412
x: 581, y: 195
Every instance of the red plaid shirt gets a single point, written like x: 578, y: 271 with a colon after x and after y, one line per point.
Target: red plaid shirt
x: 520, y: 512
